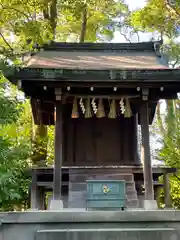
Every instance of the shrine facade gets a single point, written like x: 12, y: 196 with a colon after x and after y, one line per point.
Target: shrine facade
x: 96, y: 94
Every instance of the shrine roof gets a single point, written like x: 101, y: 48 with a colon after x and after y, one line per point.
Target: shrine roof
x: 98, y: 56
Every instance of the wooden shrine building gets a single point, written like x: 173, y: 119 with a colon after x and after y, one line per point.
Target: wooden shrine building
x: 96, y: 94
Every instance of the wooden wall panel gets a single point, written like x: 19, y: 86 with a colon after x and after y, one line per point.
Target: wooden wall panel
x: 108, y: 141
x: 85, y: 152
x: 69, y: 141
x: 100, y: 142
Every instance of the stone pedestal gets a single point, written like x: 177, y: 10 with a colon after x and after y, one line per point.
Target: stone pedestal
x: 56, y: 205
x: 90, y: 225
x: 150, y: 204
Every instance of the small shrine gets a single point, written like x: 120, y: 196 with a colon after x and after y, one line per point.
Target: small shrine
x: 96, y: 94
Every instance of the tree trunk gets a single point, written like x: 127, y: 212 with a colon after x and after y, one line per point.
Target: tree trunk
x: 40, y: 140
x: 159, y: 120
x: 40, y: 145
x: 83, y: 25
x: 170, y: 119
x: 53, y: 17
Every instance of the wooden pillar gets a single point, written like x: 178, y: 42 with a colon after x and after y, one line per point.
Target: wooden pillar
x: 36, y: 194
x: 58, y: 154
x: 42, y: 199
x: 146, y: 155
x: 167, y: 195
x: 135, y: 140
x: 33, y: 191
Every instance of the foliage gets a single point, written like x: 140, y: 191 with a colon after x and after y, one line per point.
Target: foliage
x: 158, y: 15
x: 36, y: 22
x: 162, y: 17
x: 168, y: 129
x: 172, y: 50
x: 14, y: 149
x: 50, y: 146
x: 99, y: 19
x: 170, y: 153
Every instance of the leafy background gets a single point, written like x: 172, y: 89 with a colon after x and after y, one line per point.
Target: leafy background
x: 24, y: 24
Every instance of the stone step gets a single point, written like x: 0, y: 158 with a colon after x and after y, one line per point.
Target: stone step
x: 96, y: 171
x: 77, y: 204
x: 77, y: 186
x: 109, y: 233
x: 126, y: 177
x: 131, y: 196
x: 130, y: 190
x: 77, y: 199
x: 80, y: 175
x: 77, y: 195
x: 83, y: 178
x: 132, y: 203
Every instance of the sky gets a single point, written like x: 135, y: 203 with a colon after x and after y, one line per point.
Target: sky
x: 133, y: 5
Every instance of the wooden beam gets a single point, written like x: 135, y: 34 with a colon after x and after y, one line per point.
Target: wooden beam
x: 93, y: 75
x: 58, y: 154
x: 145, y: 154
x: 107, y: 96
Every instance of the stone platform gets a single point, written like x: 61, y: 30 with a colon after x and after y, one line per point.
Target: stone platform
x: 90, y: 225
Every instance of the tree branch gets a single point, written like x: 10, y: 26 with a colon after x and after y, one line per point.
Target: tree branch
x: 174, y: 65
x: 177, y: 177
x: 137, y: 34
x: 172, y: 8
x: 6, y: 42
x: 126, y: 38
x: 14, y: 9
x: 46, y: 11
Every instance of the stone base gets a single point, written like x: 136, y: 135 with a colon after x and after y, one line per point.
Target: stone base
x: 150, y: 204
x: 109, y: 233
x: 91, y: 225
x: 56, y: 205
x: 32, y: 209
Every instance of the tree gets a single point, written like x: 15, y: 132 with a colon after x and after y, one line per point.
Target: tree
x: 163, y: 18
x: 14, y: 149
x: 158, y: 15
x: 170, y: 150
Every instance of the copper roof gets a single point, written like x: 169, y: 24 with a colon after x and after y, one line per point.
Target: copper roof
x: 95, y: 60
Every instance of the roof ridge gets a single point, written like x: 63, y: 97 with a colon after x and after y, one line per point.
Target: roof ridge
x: 64, y: 46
